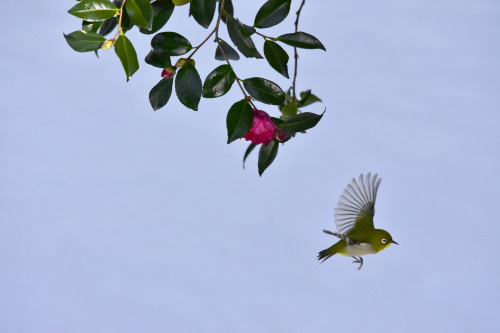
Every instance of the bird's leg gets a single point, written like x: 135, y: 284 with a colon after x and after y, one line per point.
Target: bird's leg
x: 332, y: 233
x: 358, y: 261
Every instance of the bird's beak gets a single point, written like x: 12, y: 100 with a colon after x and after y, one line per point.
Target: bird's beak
x: 394, y: 242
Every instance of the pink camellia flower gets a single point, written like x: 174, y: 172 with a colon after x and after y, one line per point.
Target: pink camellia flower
x: 262, y: 130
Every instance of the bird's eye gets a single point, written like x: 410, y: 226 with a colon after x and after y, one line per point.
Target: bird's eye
x: 384, y: 240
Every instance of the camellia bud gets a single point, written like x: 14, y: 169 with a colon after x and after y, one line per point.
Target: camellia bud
x: 263, y: 128
x: 168, y: 72
x: 191, y: 61
x: 107, y: 44
x: 180, y: 2
x: 181, y: 62
x: 280, y: 134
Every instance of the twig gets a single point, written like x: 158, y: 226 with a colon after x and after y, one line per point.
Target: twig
x: 296, y: 55
x: 119, y: 23
x: 265, y: 37
x: 204, y: 41
x: 217, y: 40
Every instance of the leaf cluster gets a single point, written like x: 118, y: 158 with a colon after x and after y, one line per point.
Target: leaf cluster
x: 102, y: 17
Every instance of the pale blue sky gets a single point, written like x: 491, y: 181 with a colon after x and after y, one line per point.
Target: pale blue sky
x: 115, y: 218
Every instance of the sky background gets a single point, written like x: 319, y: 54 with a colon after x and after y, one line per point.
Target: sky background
x: 115, y: 218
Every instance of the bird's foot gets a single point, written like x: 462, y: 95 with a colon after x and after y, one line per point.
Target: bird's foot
x: 358, y: 261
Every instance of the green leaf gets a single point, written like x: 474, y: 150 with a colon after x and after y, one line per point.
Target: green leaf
x: 94, y: 10
x: 188, y: 86
x: 162, y: 10
x: 244, y: 44
x: 91, y: 26
x: 83, y: 41
x: 246, y: 30
x: 160, y: 94
x: 203, y: 11
x: 289, y: 111
x: 264, y: 91
x: 267, y: 154
x: 307, y: 98
x: 228, y: 8
x: 302, y: 40
x: 170, y: 43
x: 276, y: 57
x: 126, y: 52
x: 247, y: 152
x: 301, y: 122
x: 231, y: 53
x: 218, y: 82
x: 108, y: 26
x: 272, y: 13
x: 140, y: 13
x: 157, y: 60
x: 239, y: 120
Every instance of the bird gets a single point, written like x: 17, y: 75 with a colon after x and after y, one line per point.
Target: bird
x: 354, y: 222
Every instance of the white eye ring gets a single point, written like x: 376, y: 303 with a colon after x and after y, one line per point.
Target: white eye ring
x: 384, y: 240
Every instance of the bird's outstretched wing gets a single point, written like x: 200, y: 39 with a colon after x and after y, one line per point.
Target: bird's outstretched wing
x: 356, y: 205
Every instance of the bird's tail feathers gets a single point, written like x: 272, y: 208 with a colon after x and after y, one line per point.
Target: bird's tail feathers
x: 325, y: 254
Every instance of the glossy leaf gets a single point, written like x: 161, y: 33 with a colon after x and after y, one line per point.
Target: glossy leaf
x: 203, y: 11
x: 231, y: 53
x: 267, y: 154
x: 272, y: 13
x: 157, y: 60
x: 128, y: 57
x: 162, y: 10
x: 264, y: 91
x: 160, y: 94
x: 239, y: 120
x: 91, y: 26
x: 307, y: 98
x: 289, y: 111
x: 188, y: 86
x: 83, y: 41
x: 244, y: 44
x: 140, y: 13
x: 108, y: 26
x: 228, y: 8
x: 276, y: 57
x: 170, y: 43
x: 247, y: 152
x: 246, y: 30
x: 94, y: 10
x: 302, y: 40
x: 301, y: 122
x: 218, y: 82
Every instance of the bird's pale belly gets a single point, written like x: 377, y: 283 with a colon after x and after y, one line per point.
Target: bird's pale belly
x: 358, y: 250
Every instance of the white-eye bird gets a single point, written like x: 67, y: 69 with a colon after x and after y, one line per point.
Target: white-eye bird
x: 354, y: 222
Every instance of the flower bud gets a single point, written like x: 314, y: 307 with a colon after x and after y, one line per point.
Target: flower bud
x: 191, y: 61
x: 168, y: 72
x: 181, y: 62
x: 280, y: 134
x: 180, y: 2
x: 107, y: 44
x: 263, y: 128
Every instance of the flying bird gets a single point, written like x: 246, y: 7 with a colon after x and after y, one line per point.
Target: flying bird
x: 354, y: 222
